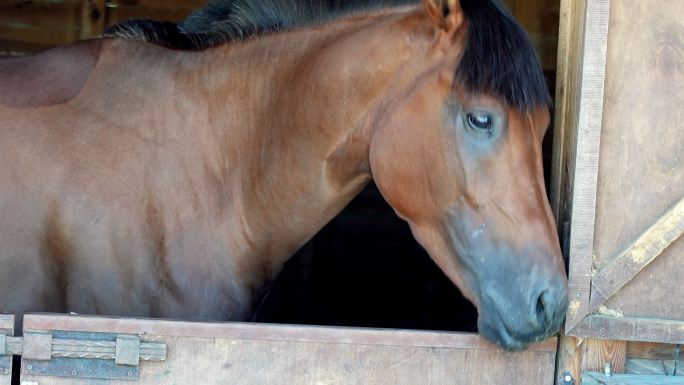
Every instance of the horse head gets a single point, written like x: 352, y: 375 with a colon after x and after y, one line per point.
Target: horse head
x: 458, y: 156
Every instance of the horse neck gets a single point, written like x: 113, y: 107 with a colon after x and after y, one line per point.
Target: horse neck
x: 300, y: 137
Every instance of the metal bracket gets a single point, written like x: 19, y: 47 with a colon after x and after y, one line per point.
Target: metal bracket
x: 44, y: 355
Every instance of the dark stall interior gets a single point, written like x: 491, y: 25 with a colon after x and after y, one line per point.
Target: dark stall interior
x: 363, y: 268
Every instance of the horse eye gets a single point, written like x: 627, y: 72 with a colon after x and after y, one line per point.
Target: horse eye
x: 480, y: 122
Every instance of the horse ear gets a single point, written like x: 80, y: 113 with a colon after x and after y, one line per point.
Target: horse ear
x: 447, y: 14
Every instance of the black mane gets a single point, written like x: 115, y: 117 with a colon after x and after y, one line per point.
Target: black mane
x: 498, y: 58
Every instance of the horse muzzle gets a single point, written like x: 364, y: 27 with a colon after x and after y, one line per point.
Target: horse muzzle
x: 515, y: 318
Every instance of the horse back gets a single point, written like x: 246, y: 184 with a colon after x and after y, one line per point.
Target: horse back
x: 52, y: 77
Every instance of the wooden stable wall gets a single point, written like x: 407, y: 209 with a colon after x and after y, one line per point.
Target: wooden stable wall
x: 75, y: 350
x: 618, y: 187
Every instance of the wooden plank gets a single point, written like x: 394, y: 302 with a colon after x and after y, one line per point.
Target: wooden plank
x: 599, y: 353
x: 641, y: 168
x: 295, y: 333
x: 568, y: 77
x: 587, y: 159
x: 7, y: 322
x: 629, y: 379
x: 631, y: 329
x: 659, y: 367
x: 569, y: 359
x: 269, y: 354
x: 651, y: 350
x: 638, y: 255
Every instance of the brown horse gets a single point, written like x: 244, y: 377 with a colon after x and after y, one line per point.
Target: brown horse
x: 143, y: 181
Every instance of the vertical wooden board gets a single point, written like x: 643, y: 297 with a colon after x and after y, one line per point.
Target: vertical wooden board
x: 248, y: 354
x: 569, y: 360
x: 588, y: 134
x: 641, y: 172
x: 7, y: 328
x: 568, y: 77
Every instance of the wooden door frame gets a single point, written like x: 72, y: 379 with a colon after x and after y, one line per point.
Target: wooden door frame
x: 579, y: 117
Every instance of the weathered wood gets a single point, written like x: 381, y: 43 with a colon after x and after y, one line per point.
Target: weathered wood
x: 631, y: 329
x: 236, y: 330
x: 659, y: 367
x: 629, y: 379
x: 569, y: 358
x: 598, y: 353
x: 651, y: 351
x: 641, y: 178
x: 632, y: 260
x: 587, y: 158
x: 568, y: 77
x: 642, y: 172
x: 268, y: 354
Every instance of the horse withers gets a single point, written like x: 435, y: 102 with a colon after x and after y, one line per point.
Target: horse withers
x: 139, y: 180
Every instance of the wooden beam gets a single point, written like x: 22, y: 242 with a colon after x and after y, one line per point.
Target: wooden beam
x: 651, y: 351
x: 590, y: 378
x: 622, y: 268
x: 631, y: 329
x: 587, y: 158
x: 270, y: 332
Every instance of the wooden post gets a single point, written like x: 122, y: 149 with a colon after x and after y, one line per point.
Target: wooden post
x: 92, y: 18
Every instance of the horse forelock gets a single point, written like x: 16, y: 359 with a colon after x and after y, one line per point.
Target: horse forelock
x: 499, y: 59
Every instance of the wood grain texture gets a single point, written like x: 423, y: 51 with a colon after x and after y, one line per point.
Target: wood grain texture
x: 598, y: 353
x: 632, y: 329
x: 240, y: 359
x: 629, y: 379
x: 236, y: 330
x: 651, y: 351
x: 642, y: 171
x: 627, y: 264
x: 569, y: 357
x: 587, y: 158
x: 568, y: 79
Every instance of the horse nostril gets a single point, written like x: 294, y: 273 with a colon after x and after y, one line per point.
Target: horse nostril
x: 543, y: 307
